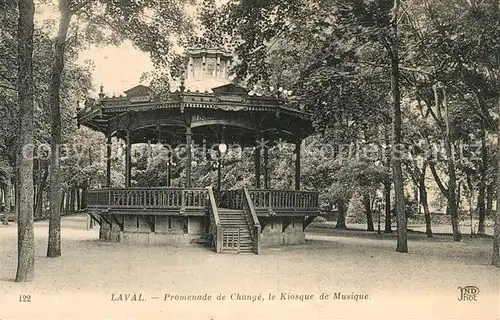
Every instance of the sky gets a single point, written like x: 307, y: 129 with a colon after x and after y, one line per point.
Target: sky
x: 117, y: 68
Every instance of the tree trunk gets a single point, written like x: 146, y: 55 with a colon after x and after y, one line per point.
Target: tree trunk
x: 387, y: 207
x: 489, y: 199
x: 387, y: 188
x: 6, y: 197
x: 427, y: 213
x: 39, y: 202
x: 78, y: 203
x: 368, y: 211
x: 470, y: 200
x: 16, y: 197
x: 341, y: 215
x: 84, y: 197
x: 425, y: 203
x: 40, y: 192
x: 25, y: 142
x: 54, y: 244
x: 9, y: 194
x: 483, y: 169
x: 495, y: 258
x: 71, y: 206
x: 2, y: 206
x: 63, y: 197
x: 416, y: 198
x: 397, y: 173
x: 72, y: 201
x: 452, y: 179
x: 67, y: 201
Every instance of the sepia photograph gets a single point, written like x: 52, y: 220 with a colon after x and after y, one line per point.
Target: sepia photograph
x: 250, y: 159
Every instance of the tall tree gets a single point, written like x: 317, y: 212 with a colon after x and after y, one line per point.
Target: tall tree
x: 483, y: 171
x: 452, y: 179
x: 397, y: 138
x: 54, y: 243
x: 26, y: 238
x: 496, y: 232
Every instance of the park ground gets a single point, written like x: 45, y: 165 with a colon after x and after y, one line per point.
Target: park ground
x: 420, y: 285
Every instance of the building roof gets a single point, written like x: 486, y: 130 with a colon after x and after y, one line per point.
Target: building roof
x: 205, y: 85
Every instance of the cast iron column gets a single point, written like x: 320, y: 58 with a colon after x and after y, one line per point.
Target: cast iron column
x: 188, y: 156
x: 266, y: 168
x: 108, y: 161
x: 257, y: 166
x: 169, y: 169
x: 219, y: 172
x: 128, y: 161
x: 297, y: 165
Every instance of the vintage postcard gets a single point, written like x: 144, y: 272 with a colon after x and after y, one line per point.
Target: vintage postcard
x: 223, y: 159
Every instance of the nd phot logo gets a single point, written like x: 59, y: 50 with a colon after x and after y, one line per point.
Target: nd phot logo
x: 468, y: 293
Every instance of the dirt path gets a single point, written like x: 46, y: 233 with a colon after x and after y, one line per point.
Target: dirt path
x: 80, y: 284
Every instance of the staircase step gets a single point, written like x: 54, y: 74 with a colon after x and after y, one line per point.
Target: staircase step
x: 232, y: 220
x: 236, y: 252
x: 236, y: 249
x: 242, y: 236
x: 234, y: 226
x: 242, y: 233
x: 242, y: 246
x: 231, y: 216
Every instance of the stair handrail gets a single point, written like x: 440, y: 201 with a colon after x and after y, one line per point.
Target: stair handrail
x: 254, y: 220
x: 214, y: 216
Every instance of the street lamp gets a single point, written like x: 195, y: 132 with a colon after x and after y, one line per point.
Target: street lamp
x: 222, y: 147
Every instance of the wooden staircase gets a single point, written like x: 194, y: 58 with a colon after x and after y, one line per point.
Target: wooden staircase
x: 236, y: 236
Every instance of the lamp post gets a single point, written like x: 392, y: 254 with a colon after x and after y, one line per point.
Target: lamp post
x: 168, y: 171
x: 222, y: 151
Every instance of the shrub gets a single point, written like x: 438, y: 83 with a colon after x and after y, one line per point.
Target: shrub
x: 320, y: 219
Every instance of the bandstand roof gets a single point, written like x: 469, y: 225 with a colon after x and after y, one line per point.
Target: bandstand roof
x: 226, y: 113
x: 215, y: 110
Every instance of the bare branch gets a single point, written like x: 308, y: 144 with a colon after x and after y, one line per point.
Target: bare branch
x: 440, y: 184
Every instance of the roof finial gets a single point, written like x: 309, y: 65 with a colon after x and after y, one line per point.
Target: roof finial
x: 101, y: 92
